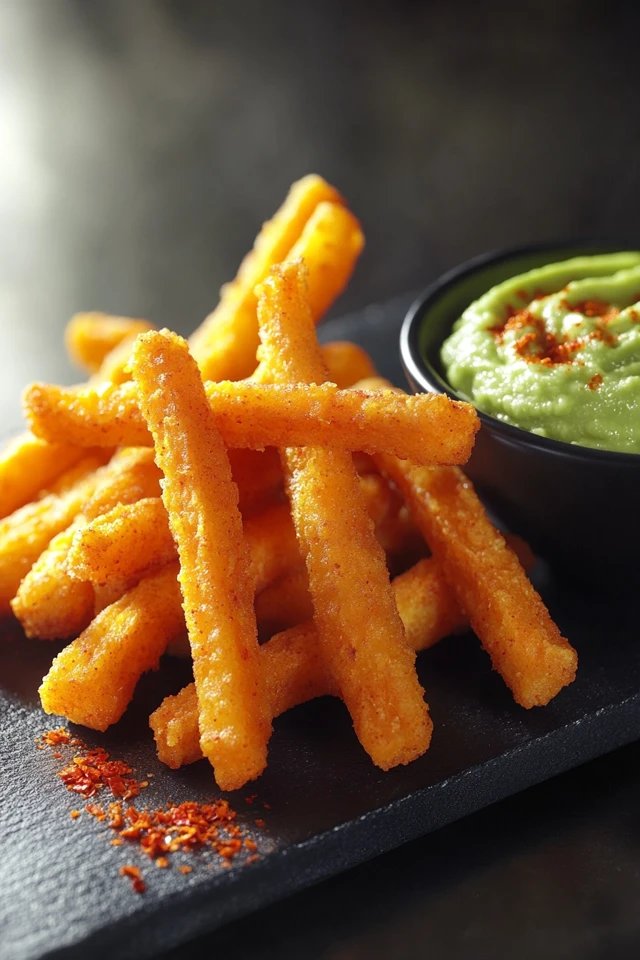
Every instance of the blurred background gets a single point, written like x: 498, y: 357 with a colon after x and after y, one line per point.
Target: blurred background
x: 145, y: 141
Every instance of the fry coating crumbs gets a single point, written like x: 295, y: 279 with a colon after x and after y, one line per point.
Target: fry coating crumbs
x: 185, y: 869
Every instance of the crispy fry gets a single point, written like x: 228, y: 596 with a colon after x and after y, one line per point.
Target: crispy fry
x: 427, y: 428
x: 132, y: 538
x: 361, y: 635
x: 330, y: 245
x: 90, y: 337
x: 293, y: 666
x: 346, y: 363
x: 52, y: 602
x: 28, y: 466
x: 49, y: 603
x: 284, y: 603
x: 202, y: 503
x: 506, y: 613
x: 258, y: 477
x: 225, y: 344
x: 29, y: 530
x: 92, y: 680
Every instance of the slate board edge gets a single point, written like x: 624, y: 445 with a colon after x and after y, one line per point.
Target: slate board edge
x: 182, y: 918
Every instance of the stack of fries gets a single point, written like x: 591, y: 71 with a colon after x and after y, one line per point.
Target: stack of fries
x: 250, y: 482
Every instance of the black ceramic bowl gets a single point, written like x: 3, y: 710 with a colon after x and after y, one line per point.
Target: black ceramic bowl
x: 579, y: 508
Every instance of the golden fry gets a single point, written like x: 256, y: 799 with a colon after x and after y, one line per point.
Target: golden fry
x: 50, y: 604
x: 28, y: 466
x: 52, y: 601
x: 90, y: 337
x: 284, y: 603
x: 346, y: 363
x: 361, y: 634
x: 258, y: 477
x: 293, y: 666
x: 225, y: 344
x: 28, y: 531
x: 330, y: 245
x: 427, y: 428
x: 202, y: 504
x: 131, y: 538
x: 92, y: 680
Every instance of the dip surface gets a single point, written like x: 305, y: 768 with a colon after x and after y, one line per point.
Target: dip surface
x: 556, y: 351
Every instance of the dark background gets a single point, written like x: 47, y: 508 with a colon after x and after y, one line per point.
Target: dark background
x: 144, y: 142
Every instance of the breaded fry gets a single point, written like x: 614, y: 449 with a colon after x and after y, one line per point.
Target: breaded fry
x: 346, y: 363
x: 132, y: 538
x: 52, y: 601
x: 225, y: 344
x: 330, y: 245
x: 293, y: 666
x: 202, y: 504
x: 284, y: 603
x: 427, y: 428
x: 258, y: 477
x: 92, y: 680
x: 50, y: 604
x: 506, y: 612
x: 28, y: 466
x: 360, y: 632
x: 90, y: 337
x: 28, y: 531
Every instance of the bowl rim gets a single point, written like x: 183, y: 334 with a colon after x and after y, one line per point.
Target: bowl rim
x: 421, y: 371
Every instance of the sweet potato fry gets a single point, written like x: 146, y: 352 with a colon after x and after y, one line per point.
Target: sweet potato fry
x: 346, y: 363
x: 132, y: 538
x: 284, y: 603
x: 330, y: 245
x: 52, y: 602
x: 90, y: 337
x: 92, y: 680
x: 225, y: 344
x: 28, y: 531
x: 360, y: 632
x: 29, y: 465
x: 202, y: 504
x: 258, y: 477
x: 506, y: 612
x: 293, y: 666
x: 427, y: 428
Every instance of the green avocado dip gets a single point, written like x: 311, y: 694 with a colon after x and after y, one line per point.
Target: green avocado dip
x: 556, y: 351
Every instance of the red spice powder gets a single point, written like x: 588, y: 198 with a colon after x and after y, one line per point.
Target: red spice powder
x: 596, y: 381
x: 537, y: 345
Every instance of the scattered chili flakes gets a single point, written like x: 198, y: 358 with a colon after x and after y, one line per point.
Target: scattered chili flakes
x: 538, y: 345
x: 596, y: 381
x: 74, y: 814
x: 135, y: 876
x: 250, y: 799
x: 174, y: 828
x: 260, y: 823
x: 267, y: 806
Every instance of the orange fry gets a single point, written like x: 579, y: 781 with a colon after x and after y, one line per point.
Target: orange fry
x: 28, y: 531
x: 506, y: 612
x: 29, y: 465
x: 258, y: 477
x: 225, y: 344
x: 359, y: 629
x: 346, y: 363
x: 293, y: 666
x: 90, y: 337
x: 51, y: 602
x: 92, y: 680
x: 427, y: 428
x: 202, y: 503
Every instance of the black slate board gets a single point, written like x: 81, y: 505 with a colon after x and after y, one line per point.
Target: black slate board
x: 329, y: 808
